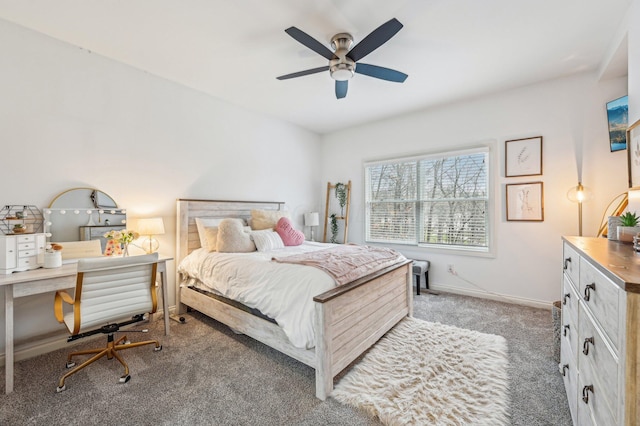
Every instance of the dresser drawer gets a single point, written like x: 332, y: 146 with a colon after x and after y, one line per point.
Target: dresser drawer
x: 26, y: 246
x: 570, y: 300
x: 569, y: 330
x: 596, y: 405
x: 31, y: 261
x: 571, y: 263
x: 31, y: 238
x: 601, y: 297
x: 599, y: 358
x: 568, y: 369
x: 27, y: 253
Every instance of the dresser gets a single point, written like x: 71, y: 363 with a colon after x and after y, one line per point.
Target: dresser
x: 21, y: 252
x: 600, y: 348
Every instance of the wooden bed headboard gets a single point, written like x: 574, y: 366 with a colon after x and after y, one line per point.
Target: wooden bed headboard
x: 187, y: 238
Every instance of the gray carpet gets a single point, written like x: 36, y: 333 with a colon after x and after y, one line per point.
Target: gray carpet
x: 206, y: 375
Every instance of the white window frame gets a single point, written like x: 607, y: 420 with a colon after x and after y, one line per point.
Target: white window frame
x: 489, y: 251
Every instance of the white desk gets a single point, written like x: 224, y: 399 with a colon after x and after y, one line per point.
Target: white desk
x: 37, y: 281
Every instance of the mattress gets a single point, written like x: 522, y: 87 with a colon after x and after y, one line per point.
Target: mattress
x: 280, y: 291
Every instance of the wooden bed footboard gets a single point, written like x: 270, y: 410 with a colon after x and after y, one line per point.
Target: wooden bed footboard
x: 351, y: 318
x: 348, y: 319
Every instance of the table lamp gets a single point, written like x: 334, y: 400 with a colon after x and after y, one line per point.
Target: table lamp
x: 311, y: 220
x: 150, y: 227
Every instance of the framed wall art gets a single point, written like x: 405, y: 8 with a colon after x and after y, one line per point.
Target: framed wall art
x: 525, y: 201
x: 523, y: 157
x: 618, y: 121
x: 633, y: 154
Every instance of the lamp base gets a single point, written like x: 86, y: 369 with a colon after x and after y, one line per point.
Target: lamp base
x: 150, y: 245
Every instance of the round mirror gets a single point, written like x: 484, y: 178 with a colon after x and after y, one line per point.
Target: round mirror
x: 82, y: 214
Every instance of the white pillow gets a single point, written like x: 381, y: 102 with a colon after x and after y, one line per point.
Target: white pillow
x: 208, y: 231
x: 267, y: 240
x: 201, y: 224
x: 232, y: 237
x: 266, y: 219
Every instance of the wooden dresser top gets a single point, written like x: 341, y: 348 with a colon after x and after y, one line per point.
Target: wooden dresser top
x: 617, y: 260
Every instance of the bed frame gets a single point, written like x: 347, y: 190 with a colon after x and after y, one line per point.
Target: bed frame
x: 348, y: 319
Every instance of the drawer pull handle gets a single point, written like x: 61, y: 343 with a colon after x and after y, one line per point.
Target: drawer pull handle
x: 566, y: 263
x: 564, y: 329
x: 565, y: 297
x: 585, y: 345
x: 565, y: 367
x: 587, y: 291
x: 585, y: 393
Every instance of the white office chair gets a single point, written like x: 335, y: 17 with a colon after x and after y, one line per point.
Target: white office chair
x: 108, y: 290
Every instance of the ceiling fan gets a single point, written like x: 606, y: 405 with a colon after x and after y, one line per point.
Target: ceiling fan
x: 343, y: 61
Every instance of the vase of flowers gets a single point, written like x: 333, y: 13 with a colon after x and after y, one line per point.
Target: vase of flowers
x: 118, y: 242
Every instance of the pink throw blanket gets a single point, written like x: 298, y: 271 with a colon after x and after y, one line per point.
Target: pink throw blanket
x: 346, y: 263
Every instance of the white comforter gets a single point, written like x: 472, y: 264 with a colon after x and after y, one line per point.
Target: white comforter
x: 283, y: 292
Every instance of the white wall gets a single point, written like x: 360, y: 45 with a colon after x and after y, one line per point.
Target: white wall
x: 73, y: 118
x: 568, y: 113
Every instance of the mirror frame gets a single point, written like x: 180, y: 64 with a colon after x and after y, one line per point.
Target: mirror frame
x: 99, y: 206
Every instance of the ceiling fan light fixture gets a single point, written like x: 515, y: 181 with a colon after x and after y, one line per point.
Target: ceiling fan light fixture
x: 342, y: 67
x: 342, y: 72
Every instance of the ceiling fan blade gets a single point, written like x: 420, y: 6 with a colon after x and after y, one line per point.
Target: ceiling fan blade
x: 381, y: 72
x: 377, y: 38
x: 313, y: 44
x: 302, y: 73
x: 341, y: 88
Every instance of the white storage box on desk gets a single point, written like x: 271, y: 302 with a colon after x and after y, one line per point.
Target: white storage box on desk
x: 21, y: 252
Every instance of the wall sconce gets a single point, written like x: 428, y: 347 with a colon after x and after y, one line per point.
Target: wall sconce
x: 150, y: 227
x: 312, y: 220
x: 579, y: 194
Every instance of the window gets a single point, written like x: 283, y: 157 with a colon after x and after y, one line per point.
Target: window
x: 436, y: 200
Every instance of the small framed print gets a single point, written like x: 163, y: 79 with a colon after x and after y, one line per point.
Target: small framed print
x: 525, y: 202
x: 523, y: 157
x: 633, y: 155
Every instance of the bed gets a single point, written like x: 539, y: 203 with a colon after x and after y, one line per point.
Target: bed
x: 348, y: 319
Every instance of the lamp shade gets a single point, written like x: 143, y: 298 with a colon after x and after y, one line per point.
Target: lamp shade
x: 311, y: 219
x: 151, y: 226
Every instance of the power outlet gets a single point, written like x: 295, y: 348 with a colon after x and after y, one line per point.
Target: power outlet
x: 451, y: 269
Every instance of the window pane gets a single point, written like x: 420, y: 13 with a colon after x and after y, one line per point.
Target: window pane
x: 463, y: 176
x: 460, y: 223
x: 392, y: 182
x: 391, y: 222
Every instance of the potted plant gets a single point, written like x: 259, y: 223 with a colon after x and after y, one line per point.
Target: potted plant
x: 628, y: 227
x: 334, y: 228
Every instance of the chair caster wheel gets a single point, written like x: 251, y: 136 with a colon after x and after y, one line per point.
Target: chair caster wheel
x: 61, y: 388
x: 158, y: 349
x: 125, y: 378
x: 182, y: 320
x: 70, y: 364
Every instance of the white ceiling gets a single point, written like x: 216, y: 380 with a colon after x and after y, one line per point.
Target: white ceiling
x: 451, y: 49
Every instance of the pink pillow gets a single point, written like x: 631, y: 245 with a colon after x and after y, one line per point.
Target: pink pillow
x: 290, y: 236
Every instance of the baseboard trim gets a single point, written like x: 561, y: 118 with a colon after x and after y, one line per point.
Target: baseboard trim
x: 53, y: 342
x: 491, y: 296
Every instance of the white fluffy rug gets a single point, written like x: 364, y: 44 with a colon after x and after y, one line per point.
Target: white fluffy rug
x: 423, y: 373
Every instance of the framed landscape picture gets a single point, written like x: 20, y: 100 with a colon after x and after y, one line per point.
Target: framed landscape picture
x: 525, y: 202
x: 523, y: 157
x: 618, y: 120
x: 633, y: 154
